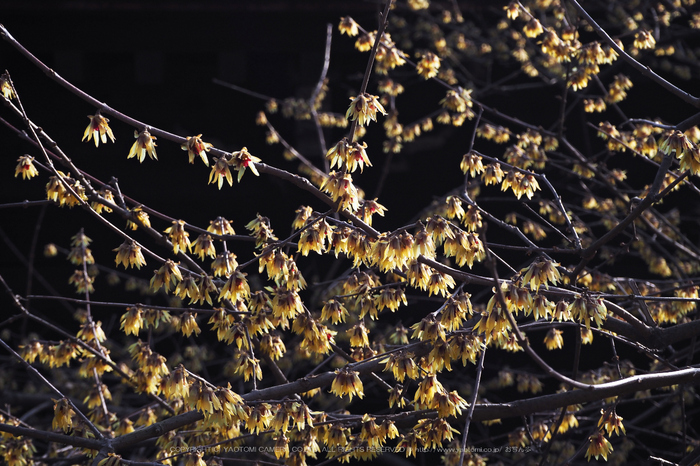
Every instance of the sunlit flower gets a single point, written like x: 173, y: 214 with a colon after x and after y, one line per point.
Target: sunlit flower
x: 428, y: 66
x: 348, y: 26
x: 224, y: 264
x: 347, y: 382
x: 457, y: 101
x: 533, y: 28
x: 236, y: 287
x: 512, y: 10
x: 196, y: 147
x: 365, y: 42
x: 553, y: 339
x: 129, y: 255
x: 675, y: 141
x: 334, y: 311
x: 585, y: 308
x: 364, y: 109
x: 25, y: 167
x: 169, y: 274
x: 341, y: 189
x: 6, y: 86
x: 178, y: 236
x: 144, y: 145
x: 82, y: 281
x: 440, y: 283
x: 401, y: 364
x: 542, y: 272
x: 132, y: 321
x: 598, y: 446
x: 240, y: 160
x: 98, y: 129
x: 57, y: 191
x: 204, y: 246
x: 371, y: 207
x: 62, y: 415
x: 220, y: 172
x: 108, y: 196
x: 138, y: 217
x: 611, y: 422
x: 644, y: 40
x: 187, y: 325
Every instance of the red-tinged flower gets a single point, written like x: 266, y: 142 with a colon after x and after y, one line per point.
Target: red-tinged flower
x: 348, y: 26
x: 63, y: 415
x: 98, y: 129
x: 347, y: 382
x: 178, y: 236
x: 598, y: 446
x: 219, y: 172
x: 129, y: 254
x: 364, y: 108
x: 644, y: 40
x: 25, y: 167
x: 6, y: 86
x: 428, y: 66
x: 241, y: 160
x: 144, y: 145
x: 196, y: 147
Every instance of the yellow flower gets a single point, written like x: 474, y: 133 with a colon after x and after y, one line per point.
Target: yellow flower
x: 6, y: 86
x: 512, y: 10
x: 204, y: 246
x: 533, y: 28
x: 57, y: 191
x: 224, y: 264
x: 348, y: 26
x: 188, y: 324
x: 334, y: 310
x: 129, y: 254
x: 108, y: 196
x: 347, y: 382
x: 426, y: 391
x: 63, y: 415
x: 364, y: 108
x: 138, y: 218
x: 144, y: 145
x: 25, y: 166
x: 541, y: 272
x: 132, y: 320
x: 178, y: 236
x: 439, y: 283
x: 358, y: 335
x: 676, y: 141
x: 241, y: 160
x: 457, y: 101
x: 236, y: 287
x: 304, y: 213
x: 82, y: 281
x: 219, y: 172
x: 644, y: 40
x: 598, y: 446
x: 428, y: 65
x: 611, y: 422
x: 365, y: 42
x: 370, y: 208
x: 196, y: 147
x: 401, y: 364
x: 169, y: 274
x: 339, y: 185
x: 99, y: 126
x: 553, y: 339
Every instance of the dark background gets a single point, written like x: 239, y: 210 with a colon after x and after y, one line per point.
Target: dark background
x: 155, y: 61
